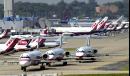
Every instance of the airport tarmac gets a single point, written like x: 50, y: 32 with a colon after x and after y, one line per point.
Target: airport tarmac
x: 117, y: 46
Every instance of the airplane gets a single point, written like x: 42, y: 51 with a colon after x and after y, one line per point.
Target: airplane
x: 31, y: 58
x: 4, y: 34
x: 56, y: 54
x: 86, y: 52
x: 9, y: 45
x: 72, y: 31
x: 115, y: 24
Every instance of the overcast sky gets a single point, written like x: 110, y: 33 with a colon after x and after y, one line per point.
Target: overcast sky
x: 55, y: 1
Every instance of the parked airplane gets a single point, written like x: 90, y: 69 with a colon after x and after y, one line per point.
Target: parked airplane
x: 9, y: 45
x: 97, y: 25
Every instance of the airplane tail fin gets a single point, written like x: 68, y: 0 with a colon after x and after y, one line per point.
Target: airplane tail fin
x: 120, y: 19
x: 44, y: 32
x: 11, y: 43
x: 94, y: 25
x: 102, y: 23
x: 4, y: 33
x: 107, y: 25
x: 37, y: 41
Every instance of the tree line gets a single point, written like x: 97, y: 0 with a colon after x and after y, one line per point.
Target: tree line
x: 65, y: 10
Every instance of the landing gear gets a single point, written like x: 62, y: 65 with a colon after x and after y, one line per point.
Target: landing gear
x: 64, y: 63
x: 42, y: 67
x: 23, y: 68
x: 93, y: 59
x: 48, y: 64
x: 80, y: 61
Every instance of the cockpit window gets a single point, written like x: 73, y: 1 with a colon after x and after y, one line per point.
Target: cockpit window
x: 50, y: 53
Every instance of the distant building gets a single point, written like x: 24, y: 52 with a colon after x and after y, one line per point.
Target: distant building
x: 8, y: 8
x: 106, y: 9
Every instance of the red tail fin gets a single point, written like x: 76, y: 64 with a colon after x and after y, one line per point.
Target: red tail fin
x: 102, y: 23
x: 94, y: 26
x: 44, y: 32
x: 11, y: 43
x: 4, y: 33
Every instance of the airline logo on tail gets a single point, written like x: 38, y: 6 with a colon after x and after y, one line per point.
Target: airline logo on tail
x: 4, y: 33
x: 94, y: 26
x: 102, y: 23
x: 11, y: 43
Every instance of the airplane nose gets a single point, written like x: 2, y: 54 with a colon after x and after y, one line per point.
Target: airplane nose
x: 79, y: 54
x: 24, y: 63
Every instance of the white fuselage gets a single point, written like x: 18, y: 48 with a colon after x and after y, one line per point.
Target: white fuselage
x: 30, y: 58
x: 97, y: 25
x: 54, y: 54
x: 51, y: 44
x: 72, y: 29
x: 84, y: 51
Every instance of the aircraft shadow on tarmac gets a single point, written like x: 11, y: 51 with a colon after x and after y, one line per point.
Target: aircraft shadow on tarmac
x: 61, y: 65
x: 38, y: 69
x: 52, y: 67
